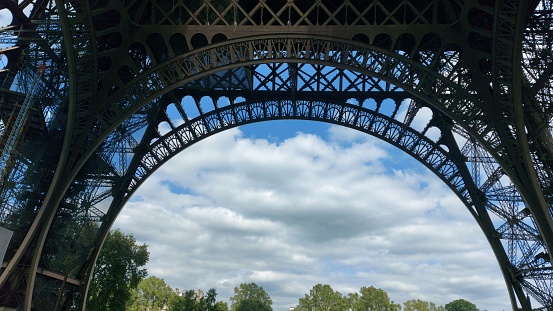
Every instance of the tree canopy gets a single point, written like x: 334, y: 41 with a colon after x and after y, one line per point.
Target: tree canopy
x: 250, y: 304
x: 221, y: 306
x: 421, y: 305
x: 460, y: 305
x: 372, y: 298
x: 151, y: 293
x: 118, y: 270
x: 250, y: 291
x: 322, y: 297
x: 196, y: 301
x: 185, y: 302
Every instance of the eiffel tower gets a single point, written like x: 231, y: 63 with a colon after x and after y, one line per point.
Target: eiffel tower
x: 96, y: 95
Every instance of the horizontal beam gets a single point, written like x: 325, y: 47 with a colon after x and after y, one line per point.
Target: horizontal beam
x: 52, y: 275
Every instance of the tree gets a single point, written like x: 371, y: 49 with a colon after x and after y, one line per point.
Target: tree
x: 250, y: 291
x: 252, y: 304
x: 460, y: 305
x: 118, y: 270
x: 221, y: 306
x: 210, y: 299
x: 151, y: 294
x: 187, y: 302
x: 421, y: 305
x: 177, y: 303
x: 322, y: 297
x: 371, y: 298
x: 191, y: 301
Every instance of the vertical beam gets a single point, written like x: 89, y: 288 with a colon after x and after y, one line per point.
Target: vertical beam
x: 5, y: 237
x: 530, y: 185
x: 45, y: 215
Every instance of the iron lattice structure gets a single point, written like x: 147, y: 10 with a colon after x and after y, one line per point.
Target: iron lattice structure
x: 130, y: 83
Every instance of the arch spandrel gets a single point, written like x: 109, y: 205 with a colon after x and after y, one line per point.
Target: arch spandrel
x: 453, y: 98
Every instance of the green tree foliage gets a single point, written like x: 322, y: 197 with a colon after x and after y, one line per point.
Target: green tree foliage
x: 184, y: 302
x: 177, y: 303
x: 460, y: 305
x: 151, y: 294
x: 190, y: 301
x: 221, y: 306
x: 250, y: 291
x: 252, y: 304
x: 209, y: 300
x: 371, y: 298
x: 421, y: 305
x: 322, y: 297
x: 118, y: 270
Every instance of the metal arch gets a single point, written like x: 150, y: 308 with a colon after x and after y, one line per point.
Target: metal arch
x: 194, y: 65
x: 452, y: 98
x: 447, y: 166
x: 455, y: 98
x: 356, y: 117
x: 505, y: 26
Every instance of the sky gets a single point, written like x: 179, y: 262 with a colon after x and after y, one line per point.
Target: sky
x: 288, y: 205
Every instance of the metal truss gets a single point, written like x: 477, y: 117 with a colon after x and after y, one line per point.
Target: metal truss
x: 119, y: 72
x: 294, y: 13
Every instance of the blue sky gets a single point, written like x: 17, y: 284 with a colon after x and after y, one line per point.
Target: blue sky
x: 288, y: 205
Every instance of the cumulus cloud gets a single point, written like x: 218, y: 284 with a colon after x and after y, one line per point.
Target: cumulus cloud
x: 339, y: 208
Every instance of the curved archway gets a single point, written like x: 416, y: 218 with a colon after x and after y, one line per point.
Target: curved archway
x: 298, y: 186
x: 448, y: 92
x: 428, y: 152
x: 448, y: 163
x: 441, y: 70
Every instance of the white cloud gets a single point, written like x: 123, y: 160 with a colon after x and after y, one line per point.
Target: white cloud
x: 5, y: 17
x: 306, y: 210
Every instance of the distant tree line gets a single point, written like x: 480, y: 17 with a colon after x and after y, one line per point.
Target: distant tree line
x: 154, y: 294
x: 120, y: 282
x: 323, y: 297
